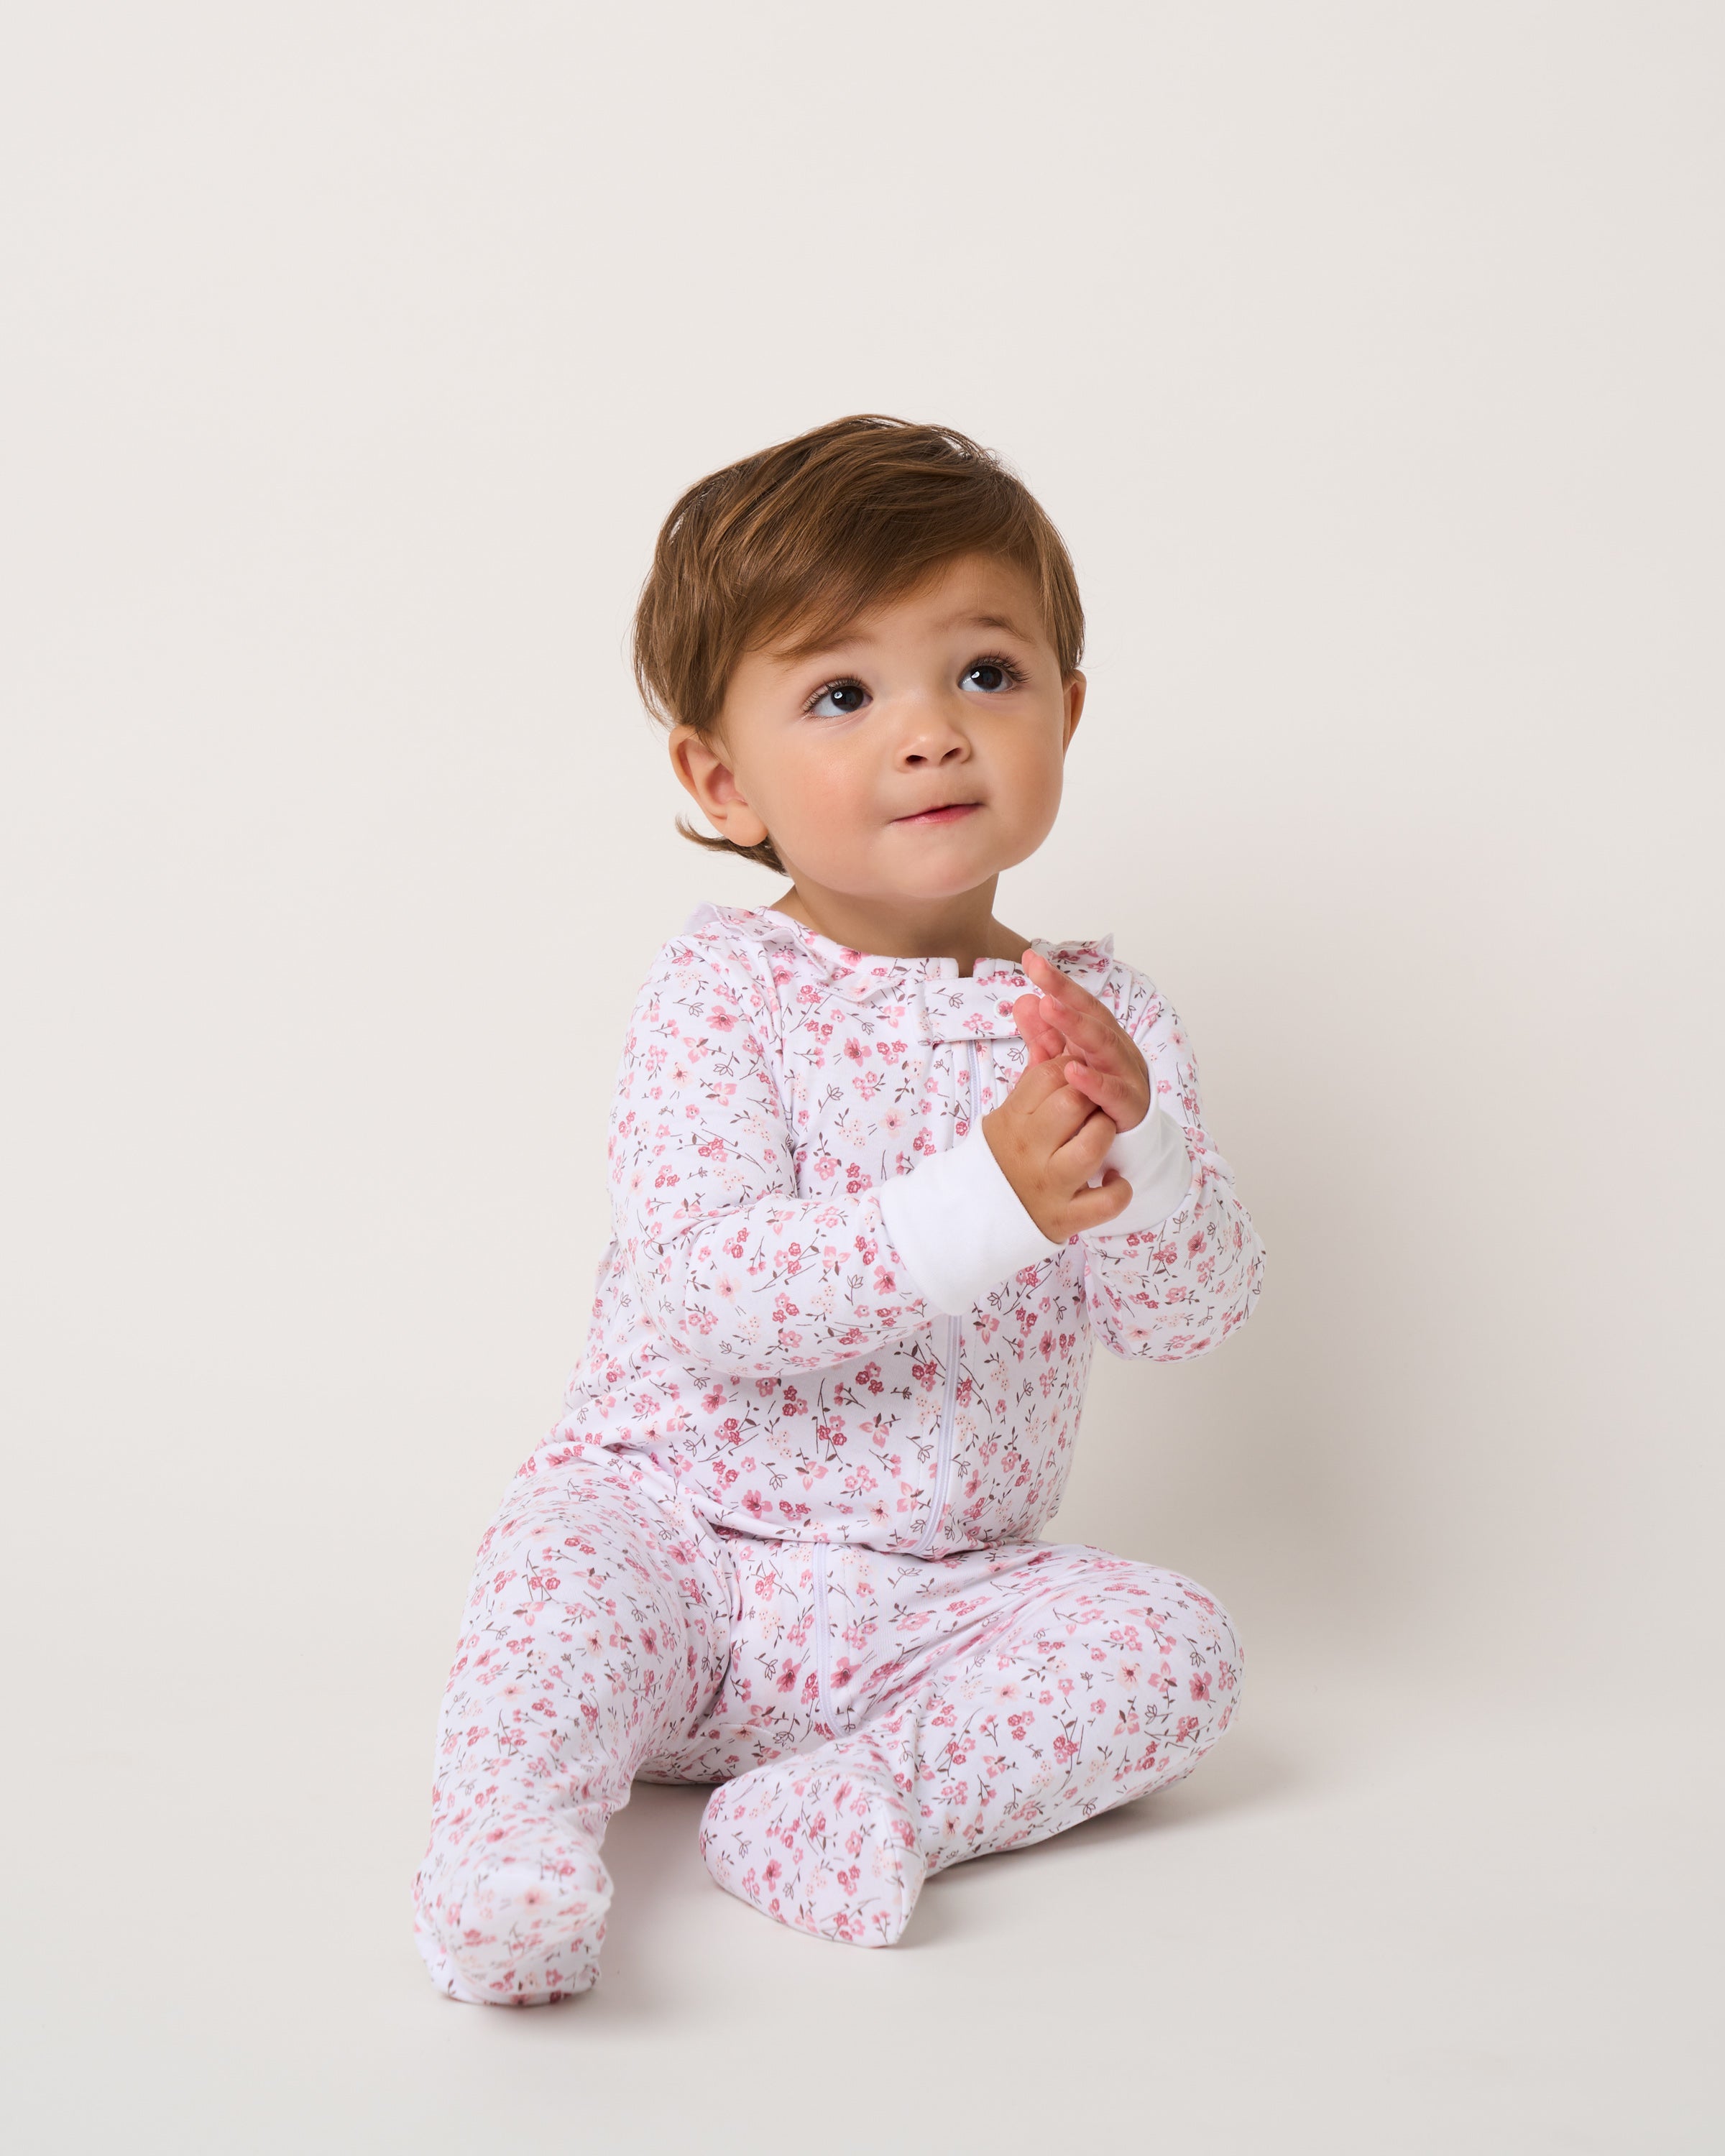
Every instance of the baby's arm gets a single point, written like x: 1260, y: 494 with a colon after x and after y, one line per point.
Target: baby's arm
x: 734, y: 1268
x: 1174, y: 1274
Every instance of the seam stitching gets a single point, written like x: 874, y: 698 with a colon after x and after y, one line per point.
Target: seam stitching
x: 823, y: 1656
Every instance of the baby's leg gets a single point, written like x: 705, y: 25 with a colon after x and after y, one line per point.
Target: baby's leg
x: 982, y: 1702
x: 597, y: 1626
x: 1098, y: 1680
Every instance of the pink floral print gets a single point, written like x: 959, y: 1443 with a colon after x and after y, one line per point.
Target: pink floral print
x: 870, y: 1718
x: 753, y: 1325
x: 782, y: 1536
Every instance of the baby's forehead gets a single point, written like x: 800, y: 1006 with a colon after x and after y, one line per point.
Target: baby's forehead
x: 985, y: 595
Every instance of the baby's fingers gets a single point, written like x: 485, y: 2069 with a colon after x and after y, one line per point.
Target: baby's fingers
x: 1097, y: 1035
x: 1094, y: 1208
x: 1036, y: 1085
x: 1043, y: 1039
x: 1082, y: 1154
x: 1061, y: 988
x: 1117, y: 1097
x: 1092, y: 1030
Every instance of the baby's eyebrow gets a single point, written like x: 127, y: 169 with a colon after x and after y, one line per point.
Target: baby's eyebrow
x: 987, y: 621
x: 846, y: 637
x: 813, y: 647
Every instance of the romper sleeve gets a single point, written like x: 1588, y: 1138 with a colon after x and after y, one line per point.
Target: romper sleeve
x: 736, y: 1270
x: 1182, y: 1266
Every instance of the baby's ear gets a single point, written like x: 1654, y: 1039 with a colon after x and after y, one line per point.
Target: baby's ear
x: 1073, y: 688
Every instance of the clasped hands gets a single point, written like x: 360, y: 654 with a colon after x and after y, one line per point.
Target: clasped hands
x: 1085, y: 1081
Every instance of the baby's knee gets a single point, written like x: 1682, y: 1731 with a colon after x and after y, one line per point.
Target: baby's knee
x: 1211, y: 1661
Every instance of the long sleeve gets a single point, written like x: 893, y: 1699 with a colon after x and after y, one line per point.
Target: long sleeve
x: 1181, y: 1268
x: 736, y: 1271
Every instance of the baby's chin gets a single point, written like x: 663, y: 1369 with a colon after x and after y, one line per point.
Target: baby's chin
x: 935, y: 882
x: 931, y: 862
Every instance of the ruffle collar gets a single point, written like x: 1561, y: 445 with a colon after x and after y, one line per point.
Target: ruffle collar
x: 949, y: 1008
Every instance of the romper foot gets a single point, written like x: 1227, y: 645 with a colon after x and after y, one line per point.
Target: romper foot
x: 821, y: 1840
x: 515, y: 1915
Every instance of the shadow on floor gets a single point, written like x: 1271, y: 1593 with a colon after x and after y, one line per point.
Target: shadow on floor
x: 1241, y: 1774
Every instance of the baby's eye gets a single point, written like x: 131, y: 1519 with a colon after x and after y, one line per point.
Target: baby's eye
x: 838, y: 700
x: 992, y: 675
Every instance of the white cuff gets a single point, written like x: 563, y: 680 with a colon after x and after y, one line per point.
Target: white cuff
x: 1152, y: 1157
x: 959, y: 1225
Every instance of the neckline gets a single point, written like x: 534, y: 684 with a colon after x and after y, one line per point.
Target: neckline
x: 843, y: 958
x: 939, y: 968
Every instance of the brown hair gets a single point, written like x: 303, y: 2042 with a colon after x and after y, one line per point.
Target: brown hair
x: 811, y: 532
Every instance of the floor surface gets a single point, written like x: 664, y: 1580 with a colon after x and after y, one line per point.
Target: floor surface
x: 1392, y: 1927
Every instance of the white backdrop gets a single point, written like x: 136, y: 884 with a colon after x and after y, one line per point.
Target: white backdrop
x: 1368, y: 358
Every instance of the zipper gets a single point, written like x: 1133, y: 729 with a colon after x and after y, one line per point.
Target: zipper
x: 943, y: 1453
x: 823, y: 1650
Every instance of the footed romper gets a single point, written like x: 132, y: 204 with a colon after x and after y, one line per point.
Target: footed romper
x: 871, y: 1716
x: 784, y: 1536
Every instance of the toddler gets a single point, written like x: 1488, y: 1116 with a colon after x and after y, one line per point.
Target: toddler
x: 881, y: 1170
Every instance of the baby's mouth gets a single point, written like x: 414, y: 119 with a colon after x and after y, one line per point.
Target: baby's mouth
x: 949, y: 812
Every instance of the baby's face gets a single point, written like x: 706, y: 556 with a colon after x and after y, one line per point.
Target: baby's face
x: 949, y: 700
